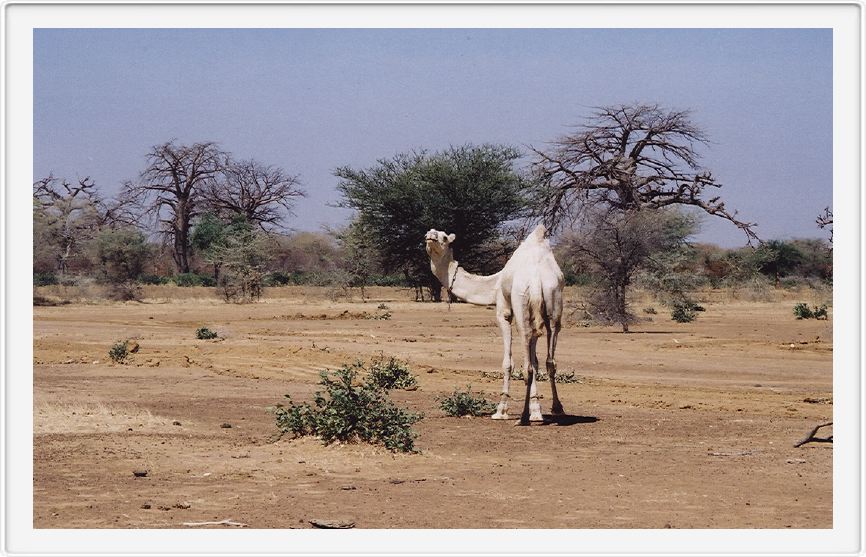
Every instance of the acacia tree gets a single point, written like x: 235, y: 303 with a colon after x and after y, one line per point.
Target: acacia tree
x: 778, y: 258
x: 120, y: 255
x: 242, y: 251
x: 628, y: 158
x: 171, y: 190
x: 471, y: 191
x: 259, y: 193
x: 360, y: 259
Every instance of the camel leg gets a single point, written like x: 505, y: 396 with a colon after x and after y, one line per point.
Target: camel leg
x: 552, y: 334
x: 531, y: 407
x: 503, y: 317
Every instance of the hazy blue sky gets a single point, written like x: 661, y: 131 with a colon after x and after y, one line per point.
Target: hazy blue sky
x: 312, y: 100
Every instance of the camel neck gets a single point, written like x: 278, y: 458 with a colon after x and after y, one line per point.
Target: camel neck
x: 473, y: 289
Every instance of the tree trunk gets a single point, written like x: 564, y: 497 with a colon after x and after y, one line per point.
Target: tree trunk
x: 621, y: 304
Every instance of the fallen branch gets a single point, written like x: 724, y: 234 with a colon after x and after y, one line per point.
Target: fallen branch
x: 226, y: 522
x: 810, y: 437
x: 740, y: 453
x: 332, y: 524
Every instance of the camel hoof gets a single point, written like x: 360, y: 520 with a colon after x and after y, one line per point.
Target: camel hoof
x: 536, y: 418
x: 499, y: 416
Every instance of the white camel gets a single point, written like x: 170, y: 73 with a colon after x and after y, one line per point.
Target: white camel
x: 528, y: 288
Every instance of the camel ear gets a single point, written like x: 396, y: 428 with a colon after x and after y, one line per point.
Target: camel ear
x: 451, y: 238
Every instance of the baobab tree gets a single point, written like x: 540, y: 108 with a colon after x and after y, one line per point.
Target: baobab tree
x: 171, y: 189
x: 66, y: 215
x: 259, y: 193
x: 628, y: 158
x: 625, y: 162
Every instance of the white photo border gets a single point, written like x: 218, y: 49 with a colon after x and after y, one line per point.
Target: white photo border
x: 17, y: 535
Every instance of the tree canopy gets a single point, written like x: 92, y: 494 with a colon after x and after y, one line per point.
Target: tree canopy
x: 471, y: 191
x: 627, y: 158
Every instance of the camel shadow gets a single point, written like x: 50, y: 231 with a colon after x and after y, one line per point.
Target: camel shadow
x: 568, y: 419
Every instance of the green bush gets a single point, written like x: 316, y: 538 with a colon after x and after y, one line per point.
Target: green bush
x: 277, y: 278
x: 803, y: 311
x: 119, y: 351
x: 349, y: 412
x: 683, y: 312
x: 203, y: 333
x: 464, y: 403
x: 153, y: 279
x: 193, y: 279
x: 391, y: 374
x: 44, y: 279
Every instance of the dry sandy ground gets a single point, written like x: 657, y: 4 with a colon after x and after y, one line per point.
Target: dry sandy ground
x: 674, y: 425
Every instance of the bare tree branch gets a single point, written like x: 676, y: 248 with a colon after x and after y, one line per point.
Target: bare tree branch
x: 259, y: 193
x: 628, y: 157
x: 825, y: 220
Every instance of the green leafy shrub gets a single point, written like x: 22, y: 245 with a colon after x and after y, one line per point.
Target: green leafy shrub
x: 193, y: 279
x: 391, y: 374
x: 44, y: 279
x: 683, y: 312
x: 349, y: 412
x: 153, y: 279
x: 803, y: 311
x: 203, y: 333
x: 464, y: 403
x: 277, y: 278
x: 119, y: 351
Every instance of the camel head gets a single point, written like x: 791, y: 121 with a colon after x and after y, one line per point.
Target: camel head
x: 438, y: 244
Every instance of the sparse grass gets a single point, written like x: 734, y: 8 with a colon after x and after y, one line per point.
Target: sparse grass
x: 380, y: 316
x: 562, y: 377
x: 465, y: 403
x: 85, y: 417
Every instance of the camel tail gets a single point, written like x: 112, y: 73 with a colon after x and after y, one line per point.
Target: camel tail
x: 537, y: 308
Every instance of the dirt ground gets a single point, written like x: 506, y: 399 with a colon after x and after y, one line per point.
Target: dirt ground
x: 672, y: 426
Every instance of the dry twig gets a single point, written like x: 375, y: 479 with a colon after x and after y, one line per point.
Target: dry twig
x: 810, y: 437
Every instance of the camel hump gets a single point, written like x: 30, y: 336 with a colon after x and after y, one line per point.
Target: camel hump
x: 538, y: 233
